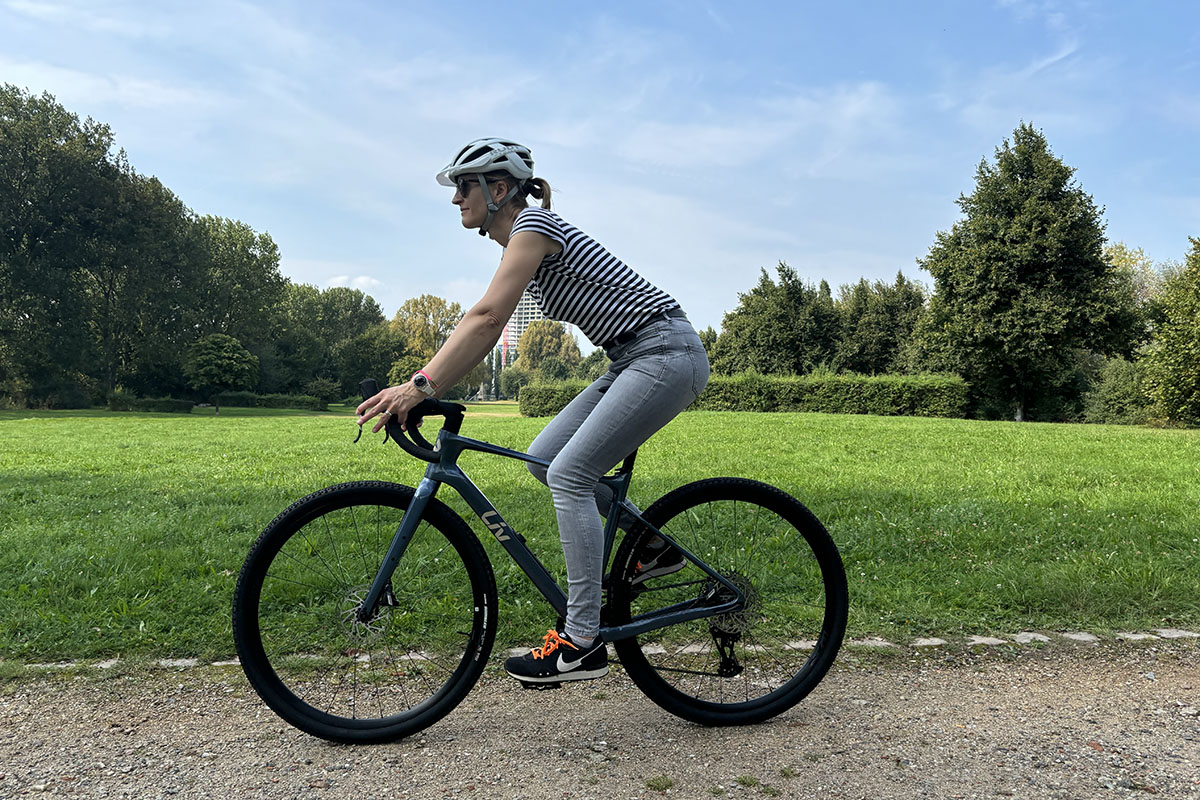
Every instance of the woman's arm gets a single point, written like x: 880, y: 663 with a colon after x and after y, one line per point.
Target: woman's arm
x: 476, y: 333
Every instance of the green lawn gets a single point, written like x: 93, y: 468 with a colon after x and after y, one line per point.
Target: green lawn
x: 122, y: 534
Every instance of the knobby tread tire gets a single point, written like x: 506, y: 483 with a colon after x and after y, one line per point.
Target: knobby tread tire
x: 791, y: 554
x: 315, y: 550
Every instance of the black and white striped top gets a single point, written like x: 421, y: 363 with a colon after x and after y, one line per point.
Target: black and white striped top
x: 586, y: 285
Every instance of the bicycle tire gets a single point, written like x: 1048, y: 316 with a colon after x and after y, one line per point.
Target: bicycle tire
x: 777, y: 647
x: 339, y: 679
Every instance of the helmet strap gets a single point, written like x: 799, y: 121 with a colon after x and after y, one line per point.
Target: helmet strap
x: 491, y: 206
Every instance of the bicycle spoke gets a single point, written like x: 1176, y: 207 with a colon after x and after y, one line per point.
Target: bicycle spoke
x: 761, y: 654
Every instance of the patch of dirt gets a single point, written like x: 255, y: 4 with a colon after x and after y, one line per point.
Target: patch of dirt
x: 1058, y: 722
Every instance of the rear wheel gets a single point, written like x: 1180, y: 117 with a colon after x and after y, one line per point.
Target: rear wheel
x: 324, y: 670
x: 761, y: 658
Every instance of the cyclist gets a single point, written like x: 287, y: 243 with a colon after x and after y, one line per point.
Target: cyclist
x: 658, y: 368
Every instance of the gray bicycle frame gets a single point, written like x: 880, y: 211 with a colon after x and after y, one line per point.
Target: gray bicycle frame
x: 446, y: 471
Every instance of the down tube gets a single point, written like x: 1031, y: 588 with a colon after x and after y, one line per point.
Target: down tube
x: 510, y: 540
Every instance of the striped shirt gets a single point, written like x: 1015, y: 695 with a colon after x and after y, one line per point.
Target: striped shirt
x: 586, y: 285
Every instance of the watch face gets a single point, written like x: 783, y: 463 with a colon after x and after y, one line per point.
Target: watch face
x: 420, y: 381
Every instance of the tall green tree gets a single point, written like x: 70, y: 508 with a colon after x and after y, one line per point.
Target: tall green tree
x: 1174, y: 358
x: 370, y: 355
x: 311, y: 326
x: 784, y: 328
x: 876, y: 323
x: 426, y: 322
x: 1022, y: 289
x: 242, y: 285
x: 141, y: 278
x: 545, y: 338
x: 56, y: 178
x: 218, y: 363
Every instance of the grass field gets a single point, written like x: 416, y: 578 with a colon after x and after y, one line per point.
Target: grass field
x: 122, y: 534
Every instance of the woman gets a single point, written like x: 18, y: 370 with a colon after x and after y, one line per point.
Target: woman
x: 658, y: 368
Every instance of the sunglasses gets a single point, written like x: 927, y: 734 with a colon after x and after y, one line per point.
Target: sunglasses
x: 463, y: 185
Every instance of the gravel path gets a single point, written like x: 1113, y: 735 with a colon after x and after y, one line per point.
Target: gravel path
x: 1115, y: 720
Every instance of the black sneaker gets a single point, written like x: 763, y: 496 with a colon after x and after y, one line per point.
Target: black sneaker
x: 557, y: 660
x: 658, y: 558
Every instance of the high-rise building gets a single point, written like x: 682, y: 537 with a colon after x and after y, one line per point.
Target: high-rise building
x: 526, y: 312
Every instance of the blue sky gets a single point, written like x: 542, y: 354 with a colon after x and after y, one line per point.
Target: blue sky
x: 699, y: 141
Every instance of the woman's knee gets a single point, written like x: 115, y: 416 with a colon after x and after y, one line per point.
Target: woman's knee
x: 537, y: 470
x: 567, y: 477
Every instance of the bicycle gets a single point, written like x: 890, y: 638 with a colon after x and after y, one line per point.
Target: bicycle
x: 353, y: 646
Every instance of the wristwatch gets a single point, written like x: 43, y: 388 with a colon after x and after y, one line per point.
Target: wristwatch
x: 422, y: 382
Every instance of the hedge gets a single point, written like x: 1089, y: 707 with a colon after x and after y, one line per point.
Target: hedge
x: 124, y: 402
x: 252, y: 400
x: 547, y: 399
x: 885, y: 395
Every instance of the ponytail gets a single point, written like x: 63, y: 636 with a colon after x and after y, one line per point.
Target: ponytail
x: 540, y: 190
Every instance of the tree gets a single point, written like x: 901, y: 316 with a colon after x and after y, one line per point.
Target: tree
x: 218, y: 363
x: 345, y: 313
x: 140, y: 277
x: 1174, y: 358
x: 426, y: 322
x: 596, y: 364
x: 1022, y: 289
x: 310, y: 328
x: 512, y: 378
x: 243, y: 285
x: 784, y: 328
x: 56, y: 175
x: 543, y: 339
x: 369, y: 355
x: 1135, y: 266
x: 876, y: 322
x: 553, y: 369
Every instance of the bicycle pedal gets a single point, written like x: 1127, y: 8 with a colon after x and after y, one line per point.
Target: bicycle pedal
x: 539, y: 686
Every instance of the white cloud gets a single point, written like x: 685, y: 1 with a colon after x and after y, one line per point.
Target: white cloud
x: 72, y: 87
x: 86, y: 17
x: 364, y: 283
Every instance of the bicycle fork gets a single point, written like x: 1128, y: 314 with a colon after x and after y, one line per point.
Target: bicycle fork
x: 381, y: 587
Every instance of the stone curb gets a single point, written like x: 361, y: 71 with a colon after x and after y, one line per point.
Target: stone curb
x: 873, y: 642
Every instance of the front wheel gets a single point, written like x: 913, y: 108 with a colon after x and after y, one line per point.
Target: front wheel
x: 322, y: 667
x: 759, y: 659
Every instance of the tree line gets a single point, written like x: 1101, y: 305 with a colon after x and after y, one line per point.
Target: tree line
x: 108, y: 282
x: 1031, y: 305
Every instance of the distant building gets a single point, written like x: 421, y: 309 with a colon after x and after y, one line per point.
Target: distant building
x: 527, y: 311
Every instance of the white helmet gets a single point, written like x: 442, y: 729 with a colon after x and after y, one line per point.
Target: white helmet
x: 489, y: 155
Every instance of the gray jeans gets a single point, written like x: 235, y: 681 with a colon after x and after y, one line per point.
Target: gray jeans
x: 651, y: 379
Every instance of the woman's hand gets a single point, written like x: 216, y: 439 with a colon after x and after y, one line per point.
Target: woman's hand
x: 394, y: 401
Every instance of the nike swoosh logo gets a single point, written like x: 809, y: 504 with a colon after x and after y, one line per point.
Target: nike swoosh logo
x: 567, y: 666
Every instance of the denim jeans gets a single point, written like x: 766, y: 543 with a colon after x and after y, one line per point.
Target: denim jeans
x: 651, y: 379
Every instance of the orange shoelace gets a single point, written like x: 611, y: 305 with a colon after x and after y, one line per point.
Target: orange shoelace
x: 551, y: 643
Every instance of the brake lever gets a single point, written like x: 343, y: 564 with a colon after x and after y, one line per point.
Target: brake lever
x: 386, y: 434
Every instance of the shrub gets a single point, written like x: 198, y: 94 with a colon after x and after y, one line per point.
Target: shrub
x: 252, y: 400
x: 291, y: 401
x: 547, y: 399
x: 324, y: 389
x: 1120, y: 396
x: 236, y: 399
x: 125, y: 401
x: 884, y: 395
